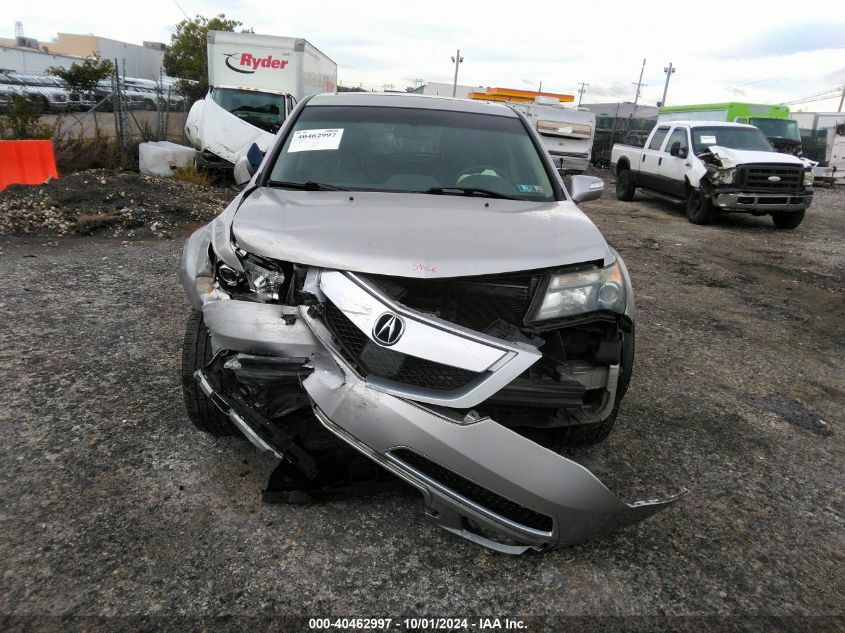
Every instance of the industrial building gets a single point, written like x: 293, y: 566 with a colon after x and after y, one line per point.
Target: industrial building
x: 27, y: 55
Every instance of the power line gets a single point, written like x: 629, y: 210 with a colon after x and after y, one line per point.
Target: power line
x: 827, y: 94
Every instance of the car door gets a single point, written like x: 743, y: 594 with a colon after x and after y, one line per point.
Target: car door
x: 673, y: 165
x: 648, y: 171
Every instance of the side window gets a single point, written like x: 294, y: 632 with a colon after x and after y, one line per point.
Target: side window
x: 657, y: 139
x: 679, y: 136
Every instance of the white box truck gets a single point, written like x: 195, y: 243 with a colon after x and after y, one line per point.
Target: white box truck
x: 823, y: 140
x: 254, y: 82
x: 567, y: 133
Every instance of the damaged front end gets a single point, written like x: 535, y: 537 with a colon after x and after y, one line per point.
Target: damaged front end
x: 462, y: 387
x: 753, y: 185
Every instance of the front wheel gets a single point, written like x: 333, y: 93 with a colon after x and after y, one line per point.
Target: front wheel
x: 699, y: 208
x: 196, y: 353
x: 788, y: 219
x: 625, y: 186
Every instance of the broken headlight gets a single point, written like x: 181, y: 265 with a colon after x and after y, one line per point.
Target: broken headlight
x: 580, y: 291
x: 262, y: 276
x: 265, y: 277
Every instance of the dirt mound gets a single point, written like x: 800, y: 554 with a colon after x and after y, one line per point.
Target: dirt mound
x: 108, y: 202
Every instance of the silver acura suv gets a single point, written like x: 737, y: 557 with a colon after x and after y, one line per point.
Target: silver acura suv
x: 410, y: 274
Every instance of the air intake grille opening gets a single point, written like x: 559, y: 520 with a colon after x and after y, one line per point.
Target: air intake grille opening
x: 475, y: 493
x: 773, y: 178
x: 368, y: 358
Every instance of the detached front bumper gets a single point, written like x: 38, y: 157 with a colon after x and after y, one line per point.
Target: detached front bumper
x: 762, y: 202
x: 479, y: 479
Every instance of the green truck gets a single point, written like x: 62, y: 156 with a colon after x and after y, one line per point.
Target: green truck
x: 774, y: 121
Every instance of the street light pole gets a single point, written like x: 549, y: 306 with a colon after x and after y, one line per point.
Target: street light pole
x: 457, y: 59
x: 668, y: 70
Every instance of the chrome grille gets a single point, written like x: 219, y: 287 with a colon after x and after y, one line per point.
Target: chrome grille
x: 369, y: 358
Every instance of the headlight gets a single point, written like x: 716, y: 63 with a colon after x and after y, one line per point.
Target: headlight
x: 578, y: 292
x: 263, y: 276
x: 808, y: 178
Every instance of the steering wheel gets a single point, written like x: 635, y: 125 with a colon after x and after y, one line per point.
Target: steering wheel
x: 478, y: 170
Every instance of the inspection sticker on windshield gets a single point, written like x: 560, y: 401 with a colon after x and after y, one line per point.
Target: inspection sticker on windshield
x: 530, y: 188
x: 708, y: 140
x: 310, y: 140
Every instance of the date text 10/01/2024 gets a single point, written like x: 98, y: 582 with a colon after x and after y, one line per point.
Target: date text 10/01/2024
x: 417, y: 624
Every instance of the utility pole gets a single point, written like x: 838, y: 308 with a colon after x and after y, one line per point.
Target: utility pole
x: 841, y: 99
x: 669, y: 70
x: 457, y: 59
x: 581, y: 90
x: 639, y: 86
x: 540, y: 89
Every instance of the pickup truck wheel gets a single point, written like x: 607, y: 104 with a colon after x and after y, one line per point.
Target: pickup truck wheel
x: 196, y: 353
x: 788, y: 219
x: 699, y: 208
x: 625, y: 186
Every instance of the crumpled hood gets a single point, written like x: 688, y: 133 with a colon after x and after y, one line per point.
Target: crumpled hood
x: 415, y: 235
x: 733, y: 157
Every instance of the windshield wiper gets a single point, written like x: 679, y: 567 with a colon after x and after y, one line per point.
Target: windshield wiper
x: 467, y: 191
x: 309, y: 185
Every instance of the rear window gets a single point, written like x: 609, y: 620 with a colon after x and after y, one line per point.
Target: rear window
x: 657, y: 139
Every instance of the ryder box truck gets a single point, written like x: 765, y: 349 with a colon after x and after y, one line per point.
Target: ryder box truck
x: 254, y: 82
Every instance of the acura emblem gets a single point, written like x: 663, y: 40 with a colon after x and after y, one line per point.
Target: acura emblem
x: 388, y: 328
x: 774, y: 178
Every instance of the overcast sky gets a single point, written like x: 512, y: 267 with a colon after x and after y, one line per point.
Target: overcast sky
x: 744, y: 51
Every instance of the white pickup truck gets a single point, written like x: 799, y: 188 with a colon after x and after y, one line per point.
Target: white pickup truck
x: 715, y: 167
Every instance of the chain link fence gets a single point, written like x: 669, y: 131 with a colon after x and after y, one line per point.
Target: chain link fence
x: 97, y: 128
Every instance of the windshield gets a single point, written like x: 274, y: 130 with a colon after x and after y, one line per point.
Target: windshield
x: 262, y: 109
x: 778, y: 128
x: 731, y: 137
x: 413, y: 150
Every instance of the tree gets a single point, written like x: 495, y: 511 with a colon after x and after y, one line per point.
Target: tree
x: 84, y: 77
x: 187, y: 56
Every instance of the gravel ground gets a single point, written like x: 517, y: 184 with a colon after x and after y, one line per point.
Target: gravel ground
x: 114, y: 506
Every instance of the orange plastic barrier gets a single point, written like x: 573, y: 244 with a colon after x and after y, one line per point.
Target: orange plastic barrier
x: 26, y: 162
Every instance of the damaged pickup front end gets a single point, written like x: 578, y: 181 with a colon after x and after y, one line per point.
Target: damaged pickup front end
x: 439, y: 381
x: 751, y: 182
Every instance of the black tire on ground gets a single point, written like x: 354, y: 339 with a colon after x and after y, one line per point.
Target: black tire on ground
x: 788, y: 219
x: 699, y: 208
x: 196, y: 353
x: 625, y: 187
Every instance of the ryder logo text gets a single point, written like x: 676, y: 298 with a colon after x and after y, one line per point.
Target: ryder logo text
x: 248, y: 63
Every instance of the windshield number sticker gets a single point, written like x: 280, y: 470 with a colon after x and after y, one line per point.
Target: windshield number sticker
x: 708, y: 140
x: 530, y: 188
x: 311, y: 140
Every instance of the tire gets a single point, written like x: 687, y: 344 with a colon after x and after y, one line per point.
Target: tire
x: 575, y: 435
x: 788, y: 219
x: 699, y: 208
x: 625, y: 187
x: 196, y: 353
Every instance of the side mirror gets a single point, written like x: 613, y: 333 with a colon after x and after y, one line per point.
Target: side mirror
x: 247, y: 164
x: 584, y: 188
x: 677, y: 150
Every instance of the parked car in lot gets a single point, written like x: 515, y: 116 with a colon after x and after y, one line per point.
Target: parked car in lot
x: 413, y: 270
x: 715, y: 167
x: 46, y: 94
